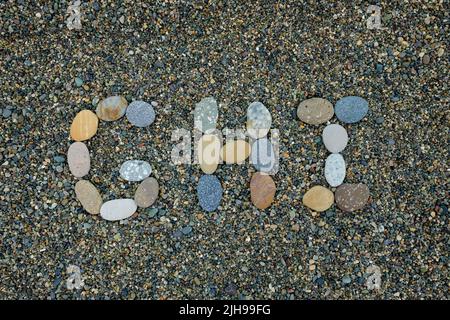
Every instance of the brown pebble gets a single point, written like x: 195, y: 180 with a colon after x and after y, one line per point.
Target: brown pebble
x: 262, y: 190
x: 352, y: 197
x: 89, y: 196
x: 84, y: 125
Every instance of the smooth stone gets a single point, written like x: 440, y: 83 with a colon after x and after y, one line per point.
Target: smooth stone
x: 135, y: 170
x: 118, y: 209
x: 78, y: 159
x: 112, y: 108
x: 315, y: 111
x: 235, y: 151
x: 140, y: 114
x: 209, y: 153
x: 205, y: 114
x: 209, y: 192
x: 259, y: 120
x: 84, y: 126
x: 146, y: 193
x: 262, y: 190
x: 352, y: 197
x: 318, y: 198
x: 351, y: 109
x: 88, y: 195
x: 263, y: 155
x: 335, y: 138
x: 335, y: 169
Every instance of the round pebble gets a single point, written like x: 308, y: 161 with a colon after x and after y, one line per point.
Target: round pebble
x: 140, y: 114
x: 335, y: 169
x: 315, y: 111
x: 318, y: 198
x: 135, y: 170
x: 262, y: 190
x: 78, y: 159
x: 259, y: 120
x: 351, y: 109
x: 335, y: 138
x: 352, y: 197
x: 89, y: 197
x: 146, y: 193
x: 112, y: 108
x: 118, y: 209
x: 84, y: 126
x: 209, y: 192
x: 205, y: 114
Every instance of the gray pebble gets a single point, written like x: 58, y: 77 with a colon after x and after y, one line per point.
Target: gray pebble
x: 209, y: 192
x: 351, y: 109
x: 140, y: 114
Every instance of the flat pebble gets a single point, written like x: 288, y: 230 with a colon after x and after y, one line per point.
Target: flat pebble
x: 84, y: 126
x: 351, y: 109
x: 118, y: 209
x: 146, y: 193
x: 78, y: 159
x: 259, y: 120
x: 318, y: 198
x: 263, y: 155
x: 89, y: 197
x: 335, y: 138
x: 135, y: 170
x: 112, y: 108
x: 209, y: 192
x: 262, y: 190
x: 209, y: 153
x: 315, y: 111
x: 235, y: 151
x: 335, y: 169
x: 352, y: 197
x: 205, y: 114
x: 140, y: 114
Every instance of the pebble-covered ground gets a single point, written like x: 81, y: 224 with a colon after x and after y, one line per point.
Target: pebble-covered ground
x: 176, y: 53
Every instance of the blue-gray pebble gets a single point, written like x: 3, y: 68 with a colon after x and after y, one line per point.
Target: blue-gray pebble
x: 209, y: 192
x: 351, y: 109
x: 140, y: 114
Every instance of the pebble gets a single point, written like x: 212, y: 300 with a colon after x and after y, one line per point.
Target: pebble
x: 262, y: 190
x: 118, y: 209
x: 315, y: 111
x: 135, y: 170
x: 209, y: 192
x: 78, y: 159
x: 209, y: 153
x: 235, y: 151
x: 318, y: 198
x: 146, y: 193
x: 259, y: 120
x: 111, y: 108
x: 335, y: 169
x: 6, y: 113
x: 78, y: 82
x: 205, y: 114
x: 186, y: 230
x: 89, y: 197
x: 352, y: 197
x: 263, y: 155
x: 426, y: 59
x: 379, y: 120
x: 335, y: 138
x: 140, y: 114
x: 152, y: 212
x: 351, y: 109
x: 84, y: 126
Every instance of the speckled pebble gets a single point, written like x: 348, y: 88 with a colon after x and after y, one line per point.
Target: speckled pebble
x: 259, y: 120
x: 209, y: 192
x: 140, y: 114
x: 335, y: 138
x: 351, y: 109
x: 352, y: 197
x: 335, y: 169
x: 205, y: 114
x: 135, y: 170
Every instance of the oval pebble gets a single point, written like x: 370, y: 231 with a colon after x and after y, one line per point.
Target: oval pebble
x: 84, y: 125
x: 259, y: 120
x: 209, y: 192
x: 118, y: 209
x: 318, y: 198
x: 315, y: 111
x: 205, y: 114
x: 335, y: 138
x: 209, y: 153
x: 146, y: 193
x: 135, y: 170
x: 335, y: 169
x: 352, y: 197
x: 235, y: 151
x: 78, y: 159
x: 140, y: 114
x: 262, y: 190
x: 111, y: 108
x: 89, y: 197
x: 263, y: 155
x: 351, y: 109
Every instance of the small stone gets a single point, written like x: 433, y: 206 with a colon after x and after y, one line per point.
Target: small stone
x: 235, y: 151
x: 84, y: 126
x: 78, y: 82
x: 118, y: 209
x: 315, y: 111
x: 135, y: 170
x: 335, y: 138
x: 352, y: 197
x: 263, y: 155
x: 379, y: 120
x: 205, y: 114
x: 146, y: 193
x: 346, y: 280
x: 351, y: 109
x: 152, y: 212
x: 209, y: 153
x: 186, y: 230
x: 6, y: 113
x: 209, y: 192
x: 335, y: 169
x: 426, y: 59
x: 111, y: 108
x: 259, y: 120
x: 140, y: 114
x: 78, y: 159
x: 318, y: 198
x: 89, y: 196
x: 262, y: 190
